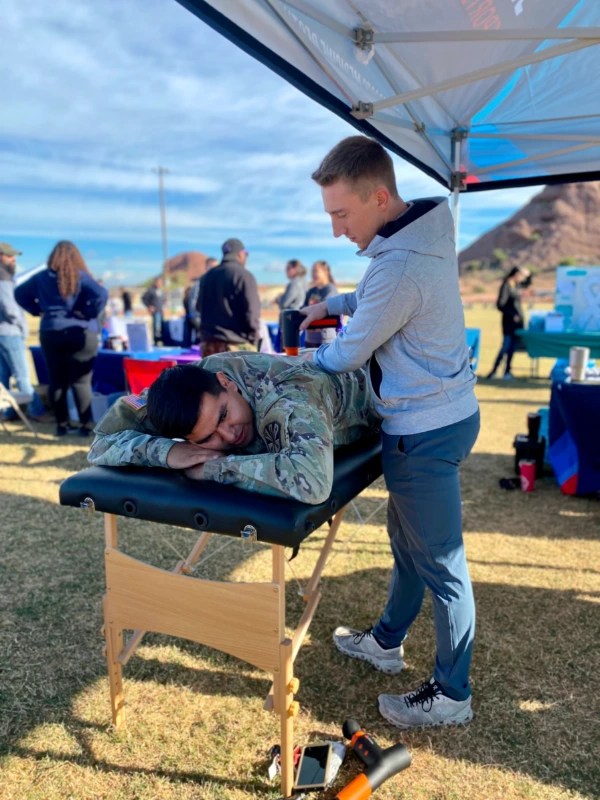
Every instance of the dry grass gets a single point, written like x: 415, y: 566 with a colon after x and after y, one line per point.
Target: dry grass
x: 195, y: 725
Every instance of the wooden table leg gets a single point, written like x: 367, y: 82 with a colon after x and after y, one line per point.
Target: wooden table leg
x: 114, y: 635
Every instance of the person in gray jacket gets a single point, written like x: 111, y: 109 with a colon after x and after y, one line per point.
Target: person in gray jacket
x: 295, y: 291
x: 407, y: 323
x: 13, y: 333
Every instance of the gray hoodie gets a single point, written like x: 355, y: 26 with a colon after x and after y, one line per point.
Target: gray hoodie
x: 12, y: 318
x: 407, y: 314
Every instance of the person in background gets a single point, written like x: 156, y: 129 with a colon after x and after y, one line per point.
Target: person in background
x: 509, y: 304
x: 322, y: 287
x: 295, y: 291
x: 228, y: 304
x: 127, y: 304
x: 154, y: 300
x: 192, y: 320
x: 69, y: 301
x: 13, y: 333
x: 191, y: 303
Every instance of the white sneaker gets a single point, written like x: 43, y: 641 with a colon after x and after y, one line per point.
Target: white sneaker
x: 424, y: 708
x: 363, y: 645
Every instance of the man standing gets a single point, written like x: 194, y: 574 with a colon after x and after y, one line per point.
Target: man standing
x: 127, y: 304
x: 228, y: 304
x: 407, y: 324
x: 192, y: 301
x: 13, y: 332
x: 154, y: 300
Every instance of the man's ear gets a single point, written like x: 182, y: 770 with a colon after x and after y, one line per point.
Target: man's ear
x: 383, y: 198
x: 226, y: 383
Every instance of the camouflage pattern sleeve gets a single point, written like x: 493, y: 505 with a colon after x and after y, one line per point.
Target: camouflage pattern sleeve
x: 299, y: 464
x: 125, y: 437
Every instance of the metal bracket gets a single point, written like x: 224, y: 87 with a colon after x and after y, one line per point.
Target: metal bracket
x: 88, y: 505
x: 362, y: 110
x: 457, y: 181
x: 249, y: 536
x: 363, y: 37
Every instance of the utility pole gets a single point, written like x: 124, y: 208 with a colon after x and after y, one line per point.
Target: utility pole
x: 163, y: 227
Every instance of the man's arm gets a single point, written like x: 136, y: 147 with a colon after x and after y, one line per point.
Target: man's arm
x: 342, y: 304
x: 129, y: 448
x: 299, y: 464
x: 389, y: 301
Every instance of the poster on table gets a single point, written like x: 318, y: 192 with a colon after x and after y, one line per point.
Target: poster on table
x: 578, y: 298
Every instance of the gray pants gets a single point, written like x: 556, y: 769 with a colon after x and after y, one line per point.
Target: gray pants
x: 425, y: 529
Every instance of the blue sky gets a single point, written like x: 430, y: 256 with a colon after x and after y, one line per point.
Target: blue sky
x: 94, y: 95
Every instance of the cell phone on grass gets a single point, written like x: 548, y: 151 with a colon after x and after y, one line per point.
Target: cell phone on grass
x: 313, y: 767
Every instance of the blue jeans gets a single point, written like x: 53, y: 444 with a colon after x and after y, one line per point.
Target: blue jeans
x: 13, y: 362
x: 509, y: 343
x: 157, y: 325
x: 425, y: 529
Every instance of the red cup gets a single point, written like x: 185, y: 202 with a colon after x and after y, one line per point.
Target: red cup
x: 527, y: 472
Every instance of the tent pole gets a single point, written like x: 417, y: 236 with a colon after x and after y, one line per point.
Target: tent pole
x: 458, y: 136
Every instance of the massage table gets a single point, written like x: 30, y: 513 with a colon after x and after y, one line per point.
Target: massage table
x: 246, y: 620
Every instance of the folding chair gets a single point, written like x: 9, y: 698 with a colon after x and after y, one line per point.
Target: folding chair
x: 14, y: 400
x: 141, y: 374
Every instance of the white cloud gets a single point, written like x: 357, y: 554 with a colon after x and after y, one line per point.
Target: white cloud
x: 97, y: 94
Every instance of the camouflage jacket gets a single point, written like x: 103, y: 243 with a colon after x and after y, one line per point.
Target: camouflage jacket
x: 300, y: 415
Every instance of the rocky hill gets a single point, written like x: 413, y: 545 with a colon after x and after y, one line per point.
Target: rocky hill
x: 560, y: 224
x: 185, y: 267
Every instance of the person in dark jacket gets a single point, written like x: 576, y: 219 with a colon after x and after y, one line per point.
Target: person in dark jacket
x: 127, y: 304
x: 154, y: 300
x: 322, y: 287
x: 295, y: 291
x: 69, y: 301
x: 13, y: 333
x: 509, y: 304
x: 228, y: 304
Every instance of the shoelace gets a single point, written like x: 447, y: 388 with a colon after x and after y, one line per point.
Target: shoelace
x: 358, y: 637
x: 425, y: 694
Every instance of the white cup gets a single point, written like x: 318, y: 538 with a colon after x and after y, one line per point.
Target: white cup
x: 578, y: 359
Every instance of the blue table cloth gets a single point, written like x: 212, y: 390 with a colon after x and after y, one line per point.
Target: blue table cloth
x: 108, y: 375
x: 574, y: 435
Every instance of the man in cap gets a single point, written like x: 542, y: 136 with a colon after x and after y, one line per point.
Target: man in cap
x: 13, y: 332
x: 228, y: 304
x: 261, y: 422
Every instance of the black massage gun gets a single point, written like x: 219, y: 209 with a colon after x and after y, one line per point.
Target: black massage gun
x: 381, y: 764
x: 290, y: 321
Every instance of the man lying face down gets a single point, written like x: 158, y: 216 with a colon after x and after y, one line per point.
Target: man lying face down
x: 261, y: 422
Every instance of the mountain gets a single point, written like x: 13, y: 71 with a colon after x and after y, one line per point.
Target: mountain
x: 185, y: 267
x: 561, y: 223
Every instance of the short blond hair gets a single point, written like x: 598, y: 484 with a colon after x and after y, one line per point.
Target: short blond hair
x: 360, y: 161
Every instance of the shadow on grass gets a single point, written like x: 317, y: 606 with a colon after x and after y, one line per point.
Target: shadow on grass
x: 29, y: 446
x: 534, y: 669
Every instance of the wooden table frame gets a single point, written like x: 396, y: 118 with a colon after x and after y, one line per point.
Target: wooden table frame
x: 246, y: 620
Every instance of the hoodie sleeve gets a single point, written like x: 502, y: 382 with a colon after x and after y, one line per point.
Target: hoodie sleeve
x: 342, y: 304
x: 26, y: 296
x: 389, y: 301
x: 92, y: 298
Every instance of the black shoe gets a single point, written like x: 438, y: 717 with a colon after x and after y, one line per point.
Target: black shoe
x: 61, y: 430
x: 85, y: 432
x: 490, y: 376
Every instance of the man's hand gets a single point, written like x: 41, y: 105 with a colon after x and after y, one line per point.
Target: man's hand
x: 312, y: 313
x: 184, y: 455
x: 308, y: 355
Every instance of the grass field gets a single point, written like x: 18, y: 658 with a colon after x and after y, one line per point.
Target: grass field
x: 195, y: 725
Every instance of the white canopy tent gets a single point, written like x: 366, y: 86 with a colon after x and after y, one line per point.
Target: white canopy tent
x: 479, y: 94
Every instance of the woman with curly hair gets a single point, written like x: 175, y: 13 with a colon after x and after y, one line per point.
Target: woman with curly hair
x: 68, y: 300
x: 322, y: 287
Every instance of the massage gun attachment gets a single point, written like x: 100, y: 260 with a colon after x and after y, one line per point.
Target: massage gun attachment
x: 290, y: 329
x: 381, y: 764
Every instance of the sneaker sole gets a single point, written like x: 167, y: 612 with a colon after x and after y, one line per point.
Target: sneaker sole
x: 449, y: 723
x: 387, y: 670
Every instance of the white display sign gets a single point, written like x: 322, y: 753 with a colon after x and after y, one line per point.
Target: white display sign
x: 577, y: 297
